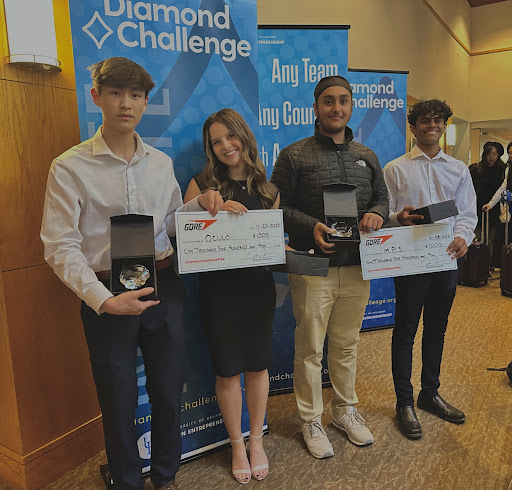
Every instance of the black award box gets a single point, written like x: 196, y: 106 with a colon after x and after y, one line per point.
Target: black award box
x: 340, y: 208
x: 303, y: 264
x: 435, y: 212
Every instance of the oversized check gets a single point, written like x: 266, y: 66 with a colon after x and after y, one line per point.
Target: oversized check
x: 229, y: 241
x: 407, y: 250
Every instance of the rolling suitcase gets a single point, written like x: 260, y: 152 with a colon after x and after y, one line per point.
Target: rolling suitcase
x: 474, y: 270
x: 506, y: 265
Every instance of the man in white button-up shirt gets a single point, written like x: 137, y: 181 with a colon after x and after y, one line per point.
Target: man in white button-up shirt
x: 111, y: 174
x: 421, y: 177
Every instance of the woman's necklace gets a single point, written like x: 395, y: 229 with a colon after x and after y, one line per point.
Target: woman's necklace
x: 244, y: 187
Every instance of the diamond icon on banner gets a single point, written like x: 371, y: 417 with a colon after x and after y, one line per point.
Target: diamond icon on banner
x: 86, y: 27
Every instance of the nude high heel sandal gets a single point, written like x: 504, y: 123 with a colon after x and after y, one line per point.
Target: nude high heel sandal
x: 255, y: 470
x: 238, y: 474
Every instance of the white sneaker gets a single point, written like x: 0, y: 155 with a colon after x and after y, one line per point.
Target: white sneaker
x: 352, y: 423
x: 316, y: 440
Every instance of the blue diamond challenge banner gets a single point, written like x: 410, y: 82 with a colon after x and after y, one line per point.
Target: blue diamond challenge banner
x: 202, y: 56
x: 379, y: 122
x: 291, y: 61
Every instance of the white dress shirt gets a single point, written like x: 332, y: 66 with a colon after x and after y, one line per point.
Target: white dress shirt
x: 416, y: 180
x: 86, y: 186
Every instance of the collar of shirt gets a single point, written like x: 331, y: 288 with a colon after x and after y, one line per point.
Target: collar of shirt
x: 417, y: 152
x: 100, y: 147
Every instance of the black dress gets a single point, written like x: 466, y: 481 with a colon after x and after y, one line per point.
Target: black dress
x: 237, y: 308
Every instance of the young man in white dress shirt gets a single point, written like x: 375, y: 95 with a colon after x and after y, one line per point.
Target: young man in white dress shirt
x: 110, y: 174
x: 424, y: 176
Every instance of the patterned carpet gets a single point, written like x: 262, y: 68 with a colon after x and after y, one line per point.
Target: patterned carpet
x: 476, y: 455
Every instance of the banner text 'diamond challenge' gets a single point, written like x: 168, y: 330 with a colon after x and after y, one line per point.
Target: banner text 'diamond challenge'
x: 133, y: 34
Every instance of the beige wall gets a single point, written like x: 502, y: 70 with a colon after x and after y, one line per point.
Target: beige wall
x: 491, y: 26
x: 491, y: 86
x: 491, y: 74
x: 457, y: 15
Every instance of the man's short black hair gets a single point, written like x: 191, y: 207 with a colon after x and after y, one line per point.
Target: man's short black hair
x: 432, y: 107
x: 122, y: 73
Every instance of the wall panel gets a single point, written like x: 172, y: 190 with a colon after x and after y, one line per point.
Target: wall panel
x: 49, y: 416
x: 54, y: 384
x: 9, y: 426
x: 42, y: 123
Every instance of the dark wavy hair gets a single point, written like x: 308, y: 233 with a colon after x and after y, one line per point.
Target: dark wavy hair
x: 432, y: 107
x: 215, y: 174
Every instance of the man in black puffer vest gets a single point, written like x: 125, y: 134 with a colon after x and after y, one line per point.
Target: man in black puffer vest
x: 332, y: 305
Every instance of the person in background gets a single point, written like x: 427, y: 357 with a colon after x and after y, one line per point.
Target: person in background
x: 506, y: 185
x: 487, y: 177
x: 424, y: 176
x: 238, y: 305
x: 110, y: 174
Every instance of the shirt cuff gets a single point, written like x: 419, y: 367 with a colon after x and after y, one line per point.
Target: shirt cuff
x: 467, y: 237
x: 393, y: 221
x: 192, y: 205
x: 96, y: 296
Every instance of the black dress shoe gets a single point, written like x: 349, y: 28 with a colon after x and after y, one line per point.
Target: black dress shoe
x: 408, y: 422
x: 441, y: 408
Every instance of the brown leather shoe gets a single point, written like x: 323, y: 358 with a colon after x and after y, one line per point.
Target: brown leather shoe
x: 169, y: 486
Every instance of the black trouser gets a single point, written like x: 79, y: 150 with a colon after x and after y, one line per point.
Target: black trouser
x: 112, y: 342
x: 434, y: 294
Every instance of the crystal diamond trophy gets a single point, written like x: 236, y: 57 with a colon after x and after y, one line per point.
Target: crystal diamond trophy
x: 132, y: 254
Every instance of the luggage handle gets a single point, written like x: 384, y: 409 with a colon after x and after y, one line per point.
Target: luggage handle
x: 507, y: 214
x: 485, y: 227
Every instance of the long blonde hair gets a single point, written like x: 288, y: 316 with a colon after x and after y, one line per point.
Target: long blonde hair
x: 215, y: 174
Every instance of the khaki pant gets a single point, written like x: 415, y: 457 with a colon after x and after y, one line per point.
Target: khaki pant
x: 332, y: 305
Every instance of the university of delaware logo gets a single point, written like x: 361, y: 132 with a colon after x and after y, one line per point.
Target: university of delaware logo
x: 378, y: 240
x: 144, y: 445
x: 199, y: 224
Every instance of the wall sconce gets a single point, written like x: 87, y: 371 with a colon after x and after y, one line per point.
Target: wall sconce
x: 31, y: 34
x: 450, y: 135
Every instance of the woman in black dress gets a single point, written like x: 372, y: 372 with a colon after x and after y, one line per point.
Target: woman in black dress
x: 238, y: 305
x: 487, y: 177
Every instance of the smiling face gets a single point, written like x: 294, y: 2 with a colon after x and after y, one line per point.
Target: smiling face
x: 226, y: 146
x: 428, y: 130
x: 122, y: 108
x: 333, y: 110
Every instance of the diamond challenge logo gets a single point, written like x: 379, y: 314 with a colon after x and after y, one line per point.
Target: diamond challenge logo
x: 97, y: 18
